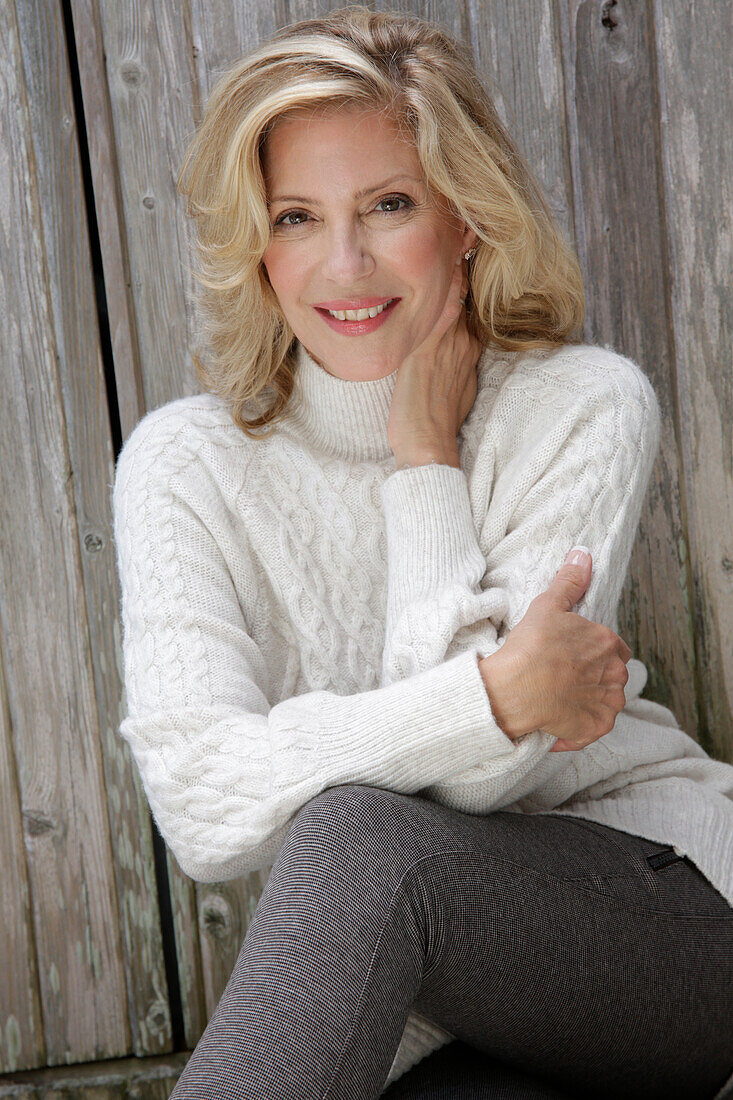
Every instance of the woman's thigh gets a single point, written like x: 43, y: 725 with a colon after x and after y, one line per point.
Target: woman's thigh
x: 576, y: 952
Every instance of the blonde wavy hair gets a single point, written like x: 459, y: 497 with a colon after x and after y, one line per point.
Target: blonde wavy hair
x: 526, y: 288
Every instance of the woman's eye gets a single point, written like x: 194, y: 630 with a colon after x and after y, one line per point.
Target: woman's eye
x: 395, y: 198
x: 290, y: 214
x: 406, y: 203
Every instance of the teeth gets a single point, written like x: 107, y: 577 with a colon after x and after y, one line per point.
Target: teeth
x: 358, y: 314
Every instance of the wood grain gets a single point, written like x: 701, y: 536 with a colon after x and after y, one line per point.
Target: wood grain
x: 46, y: 643
x: 620, y: 112
x: 695, y: 89
x: 612, y: 120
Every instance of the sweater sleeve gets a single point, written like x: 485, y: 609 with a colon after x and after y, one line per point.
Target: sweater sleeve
x: 581, y: 480
x: 225, y: 772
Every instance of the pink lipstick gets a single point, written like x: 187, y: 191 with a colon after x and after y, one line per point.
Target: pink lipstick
x: 356, y: 328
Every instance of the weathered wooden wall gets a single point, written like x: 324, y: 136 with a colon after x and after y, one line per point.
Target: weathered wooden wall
x: 106, y: 955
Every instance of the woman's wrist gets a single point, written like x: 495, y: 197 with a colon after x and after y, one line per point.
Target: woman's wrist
x: 503, y: 700
x: 443, y: 457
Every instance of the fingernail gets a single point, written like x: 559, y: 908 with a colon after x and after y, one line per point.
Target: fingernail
x: 577, y: 556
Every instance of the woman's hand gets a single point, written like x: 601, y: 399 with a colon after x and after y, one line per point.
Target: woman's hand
x: 557, y: 670
x: 436, y: 385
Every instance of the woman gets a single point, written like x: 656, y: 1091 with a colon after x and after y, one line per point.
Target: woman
x: 349, y: 639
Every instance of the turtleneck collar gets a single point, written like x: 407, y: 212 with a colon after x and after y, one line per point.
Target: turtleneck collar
x: 344, y: 418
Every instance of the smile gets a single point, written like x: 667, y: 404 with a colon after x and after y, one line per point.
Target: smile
x: 355, y: 322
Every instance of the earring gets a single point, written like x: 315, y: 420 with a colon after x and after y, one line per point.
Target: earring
x: 469, y: 254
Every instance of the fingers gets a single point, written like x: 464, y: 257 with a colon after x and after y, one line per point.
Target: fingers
x: 452, y: 310
x: 463, y: 267
x: 463, y: 293
x: 617, y: 645
x: 615, y: 672
x: 459, y: 286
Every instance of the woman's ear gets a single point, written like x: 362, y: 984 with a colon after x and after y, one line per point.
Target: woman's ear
x: 470, y: 238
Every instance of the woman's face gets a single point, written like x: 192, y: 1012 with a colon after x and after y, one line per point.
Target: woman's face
x: 354, y: 225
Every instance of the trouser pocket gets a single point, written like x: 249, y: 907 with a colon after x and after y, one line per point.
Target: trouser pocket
x: 658, y: 860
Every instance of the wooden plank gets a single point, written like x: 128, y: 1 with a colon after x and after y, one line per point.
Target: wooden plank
x: 88, y: 426
x: 151, y: 80
x: 43, y: 617
x: 21, y: 1026
x: 123, y: 1079
x: 695, y: 80
x: 222, y: 33
x: 152, y: 93
x: 108, y: 211
x: 519, y: 56
x: 612, y: 118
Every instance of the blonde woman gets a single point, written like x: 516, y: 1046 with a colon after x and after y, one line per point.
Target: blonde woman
x: 358, y: 647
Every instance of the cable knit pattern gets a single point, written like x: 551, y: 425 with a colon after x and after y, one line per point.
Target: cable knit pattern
x: 299, y: 614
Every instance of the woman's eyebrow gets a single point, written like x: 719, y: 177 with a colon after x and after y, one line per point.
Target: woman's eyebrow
x: 357, y: 194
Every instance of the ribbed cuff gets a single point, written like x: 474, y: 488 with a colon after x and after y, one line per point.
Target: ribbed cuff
x: 431, y: 535
x: 415, y: 732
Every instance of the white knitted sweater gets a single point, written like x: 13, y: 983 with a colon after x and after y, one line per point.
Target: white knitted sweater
x: 298, y: 614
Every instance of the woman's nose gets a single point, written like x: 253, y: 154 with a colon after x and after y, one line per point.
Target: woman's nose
x: 347, y: 258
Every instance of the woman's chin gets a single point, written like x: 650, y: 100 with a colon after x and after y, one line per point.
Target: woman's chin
x: 351, y: 368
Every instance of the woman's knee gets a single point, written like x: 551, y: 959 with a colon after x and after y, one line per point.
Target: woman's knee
x: 369, y: 832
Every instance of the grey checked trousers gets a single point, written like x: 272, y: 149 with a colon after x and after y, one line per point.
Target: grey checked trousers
x: 568, y: 958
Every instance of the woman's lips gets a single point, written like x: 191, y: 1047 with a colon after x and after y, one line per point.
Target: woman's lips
x: 357, y: 328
